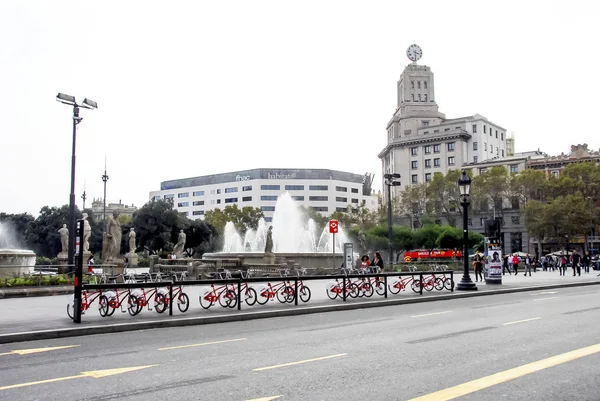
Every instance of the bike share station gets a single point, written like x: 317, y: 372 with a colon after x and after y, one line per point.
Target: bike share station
x: 493, y: 252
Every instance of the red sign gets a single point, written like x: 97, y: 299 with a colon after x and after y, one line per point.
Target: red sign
x: 333, y: 226
x: 432, y: 254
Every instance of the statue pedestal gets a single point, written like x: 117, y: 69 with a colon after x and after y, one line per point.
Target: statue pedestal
x: 132, y: 258
x: 63, y: 259
x: 269, y: 258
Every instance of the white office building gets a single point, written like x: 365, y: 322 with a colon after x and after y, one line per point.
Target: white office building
x: 421, y: 141
x: 325, y: 191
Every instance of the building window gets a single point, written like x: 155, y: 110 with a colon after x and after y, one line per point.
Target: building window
x: 268, y: 198
x: 482, y: 221
x: 446, y: 129
x: 514, y: 168
x: 484, y: 129
x: 555, y: 174
x: 354, y: 190
x: 267, y: 208
x: 427, y: 163
x: 340, y: 199
x: 298, y: 198
x: 451, y: 161
x: 425, y: 132
x: 435, y: 131
x: 268, y: 219
x: 198, y: 203
x: 246, y: 199
x: 318, y: 198
x: 412, y: 97
x: 218, y: 191
x: 198, y: 213
x: 230, y: 190
x: 436, y: 148
x: 425, y: 123
x: 419, y: 96
x: 318, y: 187
x: 320, y: 208
x: 231, y: 200
x: 515, y: 202
x: 418, y: 84
x: 413, y: 164
x: 183, y: 195
x: 497, y: 151
x: 474, y: 159
x: 412, y: 84
x: 413, y: 151
x: 515, y: 219
x: 198, y: 193
x: 155, y: 198
x: 474, y: 145
x: 427, y: 149
x: 450, y: 146
x: 485, y: 146
x: 414, y: 179
x: 294, y: 187
x: 218, y: 201
x: 502, y: 136
x: 502, y: 152
x: 425, y: 84
x: 427, y: 177
x: 270, y: 187
x: 491, y: 149
x: 436, y: 162
x: 183, y: 204
x: 247, y: 188
x: 341, y: 189
x: 425, y: 96
x: 354, y: 200
x: 169, y: 196
x: 496, y: 134
x: 474, y: 128
x: 483, y: 170
x: 341, y: 209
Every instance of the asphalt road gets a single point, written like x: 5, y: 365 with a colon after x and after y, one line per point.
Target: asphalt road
x: 46, y: 313
x: 502, y: 346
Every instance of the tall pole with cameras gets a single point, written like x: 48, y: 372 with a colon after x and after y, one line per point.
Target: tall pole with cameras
x: 87, y: 104
x: 83, y: 196
x: 104, y: 179
x: 391, y: 180
x: 464, y: 185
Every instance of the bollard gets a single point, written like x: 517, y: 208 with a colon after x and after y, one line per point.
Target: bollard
x: 296, y: 291
x: 385, y: 286
x: 452, y: 281
x: 239, y: 294
x: 344, y: 288
x: 421, y: 283
x: 171, y: 298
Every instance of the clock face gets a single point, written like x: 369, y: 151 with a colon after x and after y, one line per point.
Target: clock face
x: 414, y: 52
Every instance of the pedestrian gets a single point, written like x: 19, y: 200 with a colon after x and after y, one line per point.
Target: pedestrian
x: 505, y: 265
x: 527, y: 260
x: 586, y: 261
x: 90, y: 264
x: 515, y: 262
x: 575, y: 260
x: 478, y: 266
x: 365, y: 263
x: 562, y: 264
x: 377, y: 263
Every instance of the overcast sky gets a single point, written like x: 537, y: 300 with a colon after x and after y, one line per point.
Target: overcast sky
x: 193, y: 88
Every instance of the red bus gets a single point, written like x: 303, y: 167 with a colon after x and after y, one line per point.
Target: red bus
x: 423, y: 254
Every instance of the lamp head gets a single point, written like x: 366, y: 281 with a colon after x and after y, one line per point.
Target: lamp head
x: 464, y: 184
x: 66, y: 99
x: 89, y: 104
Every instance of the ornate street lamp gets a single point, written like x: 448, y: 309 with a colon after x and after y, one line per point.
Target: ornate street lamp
x: 464, y: 185
x: 391, y: 181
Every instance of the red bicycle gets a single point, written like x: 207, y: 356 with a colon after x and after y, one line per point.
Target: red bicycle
x: 183, y: 301
x: 86, y: 301
x: 226, y: 297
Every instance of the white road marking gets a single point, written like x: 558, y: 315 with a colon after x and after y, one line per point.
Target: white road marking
x: 432, y: 314
x: 521, y: 321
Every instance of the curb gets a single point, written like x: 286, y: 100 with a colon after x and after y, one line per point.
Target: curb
x: 233, y: 317
x: 23, y: 292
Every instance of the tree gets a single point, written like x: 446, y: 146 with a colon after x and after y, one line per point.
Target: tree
x: 427, y: 236
x: 412, y: 203
x: 443, y: 194
x: 243, y: 219
x: 156, y: 224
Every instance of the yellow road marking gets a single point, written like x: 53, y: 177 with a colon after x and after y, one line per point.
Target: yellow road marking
x: 36, y: 350
x: 274, y: 397
x: 521, y: 321
x: 431, y: 314
x: 543, y: 299
x: 510, y: 374
x: 96, y: 374
x: 298, y: 363
x: 202, y: 344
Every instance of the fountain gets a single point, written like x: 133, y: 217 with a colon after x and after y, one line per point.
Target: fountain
x: 296, y: 240
x: 13, y: 261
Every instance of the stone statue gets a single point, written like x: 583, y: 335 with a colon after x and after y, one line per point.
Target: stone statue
x: 87, y: 232
x: 64, y: 238
x: 180, y: 246
x: 131, y: 240
x: 269, y: 242
x: 112, y: 237
x: 362, y: 240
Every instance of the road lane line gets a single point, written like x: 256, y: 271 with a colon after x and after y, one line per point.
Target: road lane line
x: 96, y: 374
x: 521, y: 321
x: 36, y: 350
x: 510, y: 374
x: 273, y: 397
x: 432, y: 314
x: 543, y: 299
x: 545, y: 292
x: 202, y: 344
x: 298, y: 363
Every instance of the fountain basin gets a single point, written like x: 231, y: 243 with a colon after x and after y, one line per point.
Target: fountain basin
x: 15, y: 262
x: 307, y: 260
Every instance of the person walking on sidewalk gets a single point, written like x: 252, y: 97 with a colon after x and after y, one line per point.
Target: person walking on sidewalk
x: 576, y: 259
x: 527, y: 261
x: 562, y: 264
x: 515, y: 262
x: 505, y: 265
x: 478, y: 266
x: 586, y: 261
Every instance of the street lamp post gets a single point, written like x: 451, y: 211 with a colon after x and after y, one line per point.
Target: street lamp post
x: 464, y: 184
x: 104, y: 179
x: 87, y: 104
x: 390, y: 181
x: 84, y: 197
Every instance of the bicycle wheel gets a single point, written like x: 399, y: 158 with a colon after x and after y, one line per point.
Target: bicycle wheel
x: 448, y: 284
x: 160, y: 303
x: 263, y: 296
x: 439, y: 284
x: 429, y: 285
x: 333, y: 291
x: 205, y: 303
x: 103, y: 306
x: 290, y: 294
x: 367, y: 290
x: 394, y: 288
x: 353, y: 290
x: 380, y: 287
x: 228, y: 299
x: 284, y: 294
x: 70, y: 309
x: 416, y: 285
x: 304, y: 293
x: 250, y: 296
x: 183, y: 302
x: 133, y: 306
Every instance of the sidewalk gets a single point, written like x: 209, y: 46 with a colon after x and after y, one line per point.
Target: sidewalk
x: 48, y: 314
